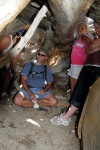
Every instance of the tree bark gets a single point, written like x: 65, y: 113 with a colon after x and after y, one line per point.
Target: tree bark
x: 9, y: 9
x: 67, y: 15
x: 89, y: 124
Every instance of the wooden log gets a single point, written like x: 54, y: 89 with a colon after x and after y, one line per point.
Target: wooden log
x: 25, y: 38
x: 89, y: 125
x: 9, y: 9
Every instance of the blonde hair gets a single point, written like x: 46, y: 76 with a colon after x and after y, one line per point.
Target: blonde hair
x: 83, y: 24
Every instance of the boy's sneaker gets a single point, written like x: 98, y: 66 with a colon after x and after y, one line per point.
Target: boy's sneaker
x: 46, y: 109
x: 59, y: 120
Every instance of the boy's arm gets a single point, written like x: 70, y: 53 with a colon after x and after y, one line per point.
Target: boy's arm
x: 47, y: 87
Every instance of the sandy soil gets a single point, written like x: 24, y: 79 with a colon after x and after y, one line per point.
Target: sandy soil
x: 29, y: 129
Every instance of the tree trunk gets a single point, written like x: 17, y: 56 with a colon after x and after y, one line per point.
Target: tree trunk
x: 67, y: 15
x: 89, y: 125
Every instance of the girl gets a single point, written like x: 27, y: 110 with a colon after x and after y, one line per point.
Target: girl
x: 78, y: 55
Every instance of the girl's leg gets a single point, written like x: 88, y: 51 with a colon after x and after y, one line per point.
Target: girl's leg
x: 72, y: 83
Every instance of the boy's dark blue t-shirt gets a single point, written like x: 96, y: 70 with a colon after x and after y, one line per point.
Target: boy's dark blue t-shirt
x: 38, y: 81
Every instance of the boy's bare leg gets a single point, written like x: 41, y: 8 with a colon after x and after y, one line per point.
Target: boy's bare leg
x: 20, y: 100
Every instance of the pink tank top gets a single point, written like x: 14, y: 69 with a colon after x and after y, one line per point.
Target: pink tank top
x: 78, y: 55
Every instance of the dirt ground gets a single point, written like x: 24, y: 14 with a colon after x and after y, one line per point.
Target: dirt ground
x: 29, y: 129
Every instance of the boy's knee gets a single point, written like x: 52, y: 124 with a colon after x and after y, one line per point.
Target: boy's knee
x: 17, y: 101
x: 54, y: 102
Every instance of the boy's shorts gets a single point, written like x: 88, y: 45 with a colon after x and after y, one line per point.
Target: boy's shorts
x: 35, y: 91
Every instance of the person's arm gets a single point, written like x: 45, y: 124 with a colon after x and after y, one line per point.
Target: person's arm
x: 49, y: 81
x: 4, y: 42
x: 25, y: 86
x: 86, y: 39
x: 46, y: 88
x: 94, y: 46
